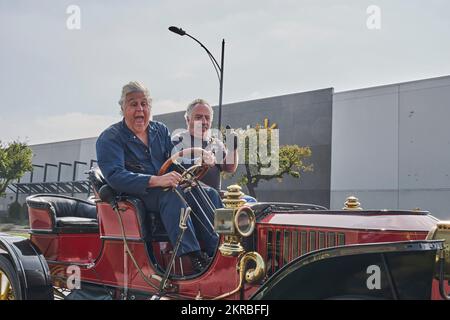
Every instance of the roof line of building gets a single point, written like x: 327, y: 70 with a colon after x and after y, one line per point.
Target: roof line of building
x: 283, y: 95
x: 62, y: 141
x: 395, y: 84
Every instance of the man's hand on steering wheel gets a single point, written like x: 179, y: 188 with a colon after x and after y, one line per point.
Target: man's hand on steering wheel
x: 208, y: 158
x: 196, y: 172
x: 170, y: 179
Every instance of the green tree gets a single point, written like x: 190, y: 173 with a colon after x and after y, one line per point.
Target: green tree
x: 291, y: 158
x: 15, y: 160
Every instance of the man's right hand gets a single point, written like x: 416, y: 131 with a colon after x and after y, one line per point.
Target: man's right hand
x: 170, y: 179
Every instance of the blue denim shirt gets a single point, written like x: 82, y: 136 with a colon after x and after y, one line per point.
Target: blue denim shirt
x: 126, y: 162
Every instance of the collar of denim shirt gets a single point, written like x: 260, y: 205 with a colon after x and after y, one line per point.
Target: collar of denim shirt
x: 152, y: 131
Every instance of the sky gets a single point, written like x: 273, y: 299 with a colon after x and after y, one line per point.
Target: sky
x: 60, y: 82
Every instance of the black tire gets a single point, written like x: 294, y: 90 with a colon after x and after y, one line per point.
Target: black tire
x: 7, y: 269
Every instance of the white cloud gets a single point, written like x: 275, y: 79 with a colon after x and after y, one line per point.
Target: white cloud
x: 168, y: 106
x: 55, y: 128
x: 272, y: 47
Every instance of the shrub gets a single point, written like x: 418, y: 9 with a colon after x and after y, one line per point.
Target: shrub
x: 14, y: 211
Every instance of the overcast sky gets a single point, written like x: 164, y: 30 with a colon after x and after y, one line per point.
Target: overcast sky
x: 60, y: 84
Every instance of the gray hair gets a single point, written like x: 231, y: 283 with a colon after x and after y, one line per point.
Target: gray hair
x: 133, y: 86
x: 192, y: 105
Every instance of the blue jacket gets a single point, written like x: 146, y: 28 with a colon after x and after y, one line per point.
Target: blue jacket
x: 126, y: 162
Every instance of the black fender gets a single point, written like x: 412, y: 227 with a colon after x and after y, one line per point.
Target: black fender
x: 394, y: 270
x: 30, y: 266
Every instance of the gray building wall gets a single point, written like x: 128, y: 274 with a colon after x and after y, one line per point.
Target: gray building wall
x: 65, y: 151
x: 391, y: 146
x: 304, y: 119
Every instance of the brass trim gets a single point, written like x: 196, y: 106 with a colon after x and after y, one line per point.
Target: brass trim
x: 352, y: 204
x: 251, y: 276
x: 233, y: 197
x: 442, y: 232
x: 252, y: 218
x: 6, y: 290
x: 231, y: 246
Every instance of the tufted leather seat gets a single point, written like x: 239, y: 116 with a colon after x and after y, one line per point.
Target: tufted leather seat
x: 151, y: 225
x: 67, y: 212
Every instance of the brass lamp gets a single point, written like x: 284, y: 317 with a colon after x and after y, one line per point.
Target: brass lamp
x: 234, y: 222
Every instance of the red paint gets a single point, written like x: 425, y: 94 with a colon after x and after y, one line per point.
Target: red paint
x: 361, y: 221
x: 40, y: 219
x: 76, y: 248
x: 109, y: 222
x: 102, y: 258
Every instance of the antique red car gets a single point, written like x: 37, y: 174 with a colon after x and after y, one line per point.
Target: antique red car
x: 102, y: 249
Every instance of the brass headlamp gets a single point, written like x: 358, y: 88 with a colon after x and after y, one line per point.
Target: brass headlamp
x: 234, y: 221
x: 442, y: 232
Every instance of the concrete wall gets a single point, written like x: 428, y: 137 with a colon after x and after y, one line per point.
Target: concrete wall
x: 304, y: 119
x: 391, y: 146
x: 64, y: 151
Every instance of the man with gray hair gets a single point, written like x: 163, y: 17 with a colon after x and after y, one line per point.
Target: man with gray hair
x: 130, y: 154
x: 199, y: 116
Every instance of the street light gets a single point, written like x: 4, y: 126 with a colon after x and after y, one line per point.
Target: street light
x: 217, y: 67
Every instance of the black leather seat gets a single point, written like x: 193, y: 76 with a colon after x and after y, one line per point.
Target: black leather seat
x: 67, y: 212
x: 151, y: 225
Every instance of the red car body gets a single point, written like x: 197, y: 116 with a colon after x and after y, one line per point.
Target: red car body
x: 282, y: 234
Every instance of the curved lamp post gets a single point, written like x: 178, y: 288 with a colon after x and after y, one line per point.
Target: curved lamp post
x: 217, y: 67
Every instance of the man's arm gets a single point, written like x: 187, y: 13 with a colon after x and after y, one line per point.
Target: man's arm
x: 170, y: 179
x: 231, y: 158
x: 111, y: 160
x: 230, y: 162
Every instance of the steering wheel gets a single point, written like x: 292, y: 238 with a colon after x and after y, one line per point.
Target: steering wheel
x: 196, y: 172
